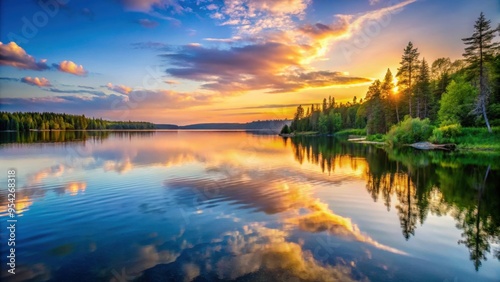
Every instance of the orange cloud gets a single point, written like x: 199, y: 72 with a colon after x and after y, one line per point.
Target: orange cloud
x: 258, y: 249
x: 171, y: 82
x: 35, y: 81
x: 13, y: 55
x: 71, y: 67
x: 122, y: 89
x: 277, y: 67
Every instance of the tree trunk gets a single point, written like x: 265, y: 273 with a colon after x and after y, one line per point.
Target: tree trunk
x: 485, y: 117
x: 418, y: 106
x: 482, y: 87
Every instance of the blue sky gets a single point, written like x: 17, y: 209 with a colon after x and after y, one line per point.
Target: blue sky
x: 174, y: 61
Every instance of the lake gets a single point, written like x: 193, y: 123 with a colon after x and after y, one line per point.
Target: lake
x: 219, y: 206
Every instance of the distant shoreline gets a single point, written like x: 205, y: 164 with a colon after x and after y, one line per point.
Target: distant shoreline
x: 143, y: 130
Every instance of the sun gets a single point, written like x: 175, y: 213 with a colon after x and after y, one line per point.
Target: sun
x: 395, y: 89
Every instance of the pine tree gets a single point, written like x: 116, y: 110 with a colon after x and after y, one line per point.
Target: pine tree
x: 375, y: 110
x: 407, y: 72
x: 389, y: 100
x: 423, y: 90
x: 479, y: 50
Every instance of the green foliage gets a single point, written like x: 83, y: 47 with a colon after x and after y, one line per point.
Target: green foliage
x: 375, y: 108
x: 447, y: 92
x: 467, y: 137
x: 53, y: 121
x: 352, y: 131
x: 479, y: 138
x: 446, y: 134
x: 407, y: 73
x: 376, y: 137
x: 410, y: 130
x: 334, y: 122
x: 479, y: 51
x: 423, y: 94
x: 457, y: 102
x: 327, y: 118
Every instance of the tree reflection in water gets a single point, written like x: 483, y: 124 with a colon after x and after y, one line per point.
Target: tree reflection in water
x: 462, y: 185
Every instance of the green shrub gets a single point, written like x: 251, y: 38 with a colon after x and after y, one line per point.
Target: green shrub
x: 410, y: 130
x: 446, y: 134
x: 376, y: 137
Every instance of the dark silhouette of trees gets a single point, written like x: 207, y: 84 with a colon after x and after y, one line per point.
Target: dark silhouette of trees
x: 375, y: 109
x: 391, y: 112
x: 18, y: 121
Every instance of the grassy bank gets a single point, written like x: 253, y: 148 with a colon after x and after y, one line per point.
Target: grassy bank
x: 415, y: 130
x: 353, y: 131
x: 473, y: 138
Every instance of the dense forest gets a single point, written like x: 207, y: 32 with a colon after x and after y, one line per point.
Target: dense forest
x: 54, y: 121
x: 445, y: 94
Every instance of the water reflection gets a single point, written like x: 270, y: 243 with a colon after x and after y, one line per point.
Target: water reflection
x: 50, y: 136
x: 237, y: 206
x: 464, y: 186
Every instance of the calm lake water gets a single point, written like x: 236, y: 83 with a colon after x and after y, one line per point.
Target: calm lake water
x: 219, y: 206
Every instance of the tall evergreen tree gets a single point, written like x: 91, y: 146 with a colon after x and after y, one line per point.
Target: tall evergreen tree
x: 423, y: 90
x: 480, y: 50
x: 375, y: 109
x: 389, y: 100
x: 407, y: 72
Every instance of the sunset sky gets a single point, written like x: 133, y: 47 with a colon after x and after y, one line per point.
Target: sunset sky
x: 193, y: 61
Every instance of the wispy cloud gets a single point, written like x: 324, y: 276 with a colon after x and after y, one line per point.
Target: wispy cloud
x: 9, y: 78
x: 149, y: 45
x: 268, y: 106
x: 273, y: 66
x: 35, y: 81
x: 374, y: 2
x: 149, y: 5
x: 104, y: 104
x: 147, y: 23
x: 171, y: 82
x: 71, y: 67
x: 224, y: 40
x: 76, y: 91
x: 212, y: 7
x: 254, y: 16
x: 357, y: 21
x: 274, y: 55
x: 122, y: 89
x: 13, y: 55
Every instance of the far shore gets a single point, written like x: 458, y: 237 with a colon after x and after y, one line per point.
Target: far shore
x: 477, y: 145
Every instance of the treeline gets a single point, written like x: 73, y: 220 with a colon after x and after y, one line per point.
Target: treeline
x: 459, y: 93
x: 54, y: 121
x: 271, y: 125
x: 328, y: 117
x: 445, y: 94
